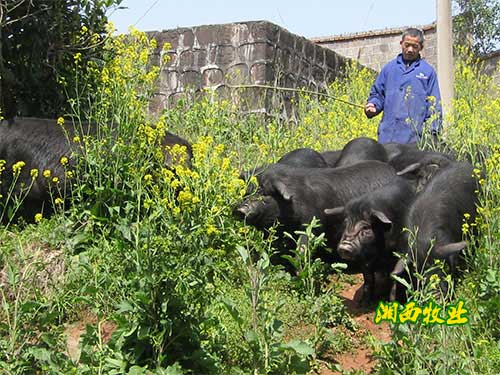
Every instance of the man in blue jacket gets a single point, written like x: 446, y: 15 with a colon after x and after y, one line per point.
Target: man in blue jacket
x: 407, y: 91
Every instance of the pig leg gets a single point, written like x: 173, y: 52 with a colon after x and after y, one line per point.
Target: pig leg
x: 368, y: 286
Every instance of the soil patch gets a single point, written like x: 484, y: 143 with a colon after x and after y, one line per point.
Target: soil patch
x: 360, y: 357
x: 75, y: 330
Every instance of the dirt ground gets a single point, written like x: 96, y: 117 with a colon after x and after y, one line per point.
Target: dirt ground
x: 75, y: 330
x: 360, y: 358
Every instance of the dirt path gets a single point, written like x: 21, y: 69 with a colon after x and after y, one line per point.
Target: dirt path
x: 75, y: 330
x: 360, y: 358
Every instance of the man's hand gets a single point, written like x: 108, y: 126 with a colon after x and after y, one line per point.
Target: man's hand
x: 370, y: 110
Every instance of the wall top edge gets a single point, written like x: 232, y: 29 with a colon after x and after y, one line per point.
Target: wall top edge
x: 182, y: 28
x: 490, y: 55
x: 372, y: 33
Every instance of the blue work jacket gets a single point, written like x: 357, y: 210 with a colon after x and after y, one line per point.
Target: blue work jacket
x: 404, y: 94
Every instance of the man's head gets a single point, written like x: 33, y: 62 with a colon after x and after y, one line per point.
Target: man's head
x: 412, y: 42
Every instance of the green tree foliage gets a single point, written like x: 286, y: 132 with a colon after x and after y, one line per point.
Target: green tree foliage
x: 477, y: 24
x: 39, y: 40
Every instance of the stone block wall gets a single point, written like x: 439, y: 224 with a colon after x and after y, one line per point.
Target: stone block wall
x: 217, y: 57
x: 375, y: 48
x: 491, y: 65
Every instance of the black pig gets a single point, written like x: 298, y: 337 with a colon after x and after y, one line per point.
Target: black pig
x: 257, y: 210
x: 41, y: 144
x: 372, y: 230
x: 361, y: 149
x: 331, y: 157
x: 304, y: 193
x: 420, y: 166
x: 435, y: 218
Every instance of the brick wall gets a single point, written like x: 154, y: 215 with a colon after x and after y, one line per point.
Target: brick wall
x: 215, y: 57
x: 375, y: 48
x: 491, y: 65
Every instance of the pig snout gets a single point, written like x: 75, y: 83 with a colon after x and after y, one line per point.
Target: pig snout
x: 347, y: 249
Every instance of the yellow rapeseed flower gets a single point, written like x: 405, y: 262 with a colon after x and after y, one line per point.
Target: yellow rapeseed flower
x: 211, y: 229
x: 185, y: 197
x: 55, y: 180
x: 34, y: 173
x: 16, y: 168
x: 244, y: 230
x: 434, y: 278
x: 167, y: 174
x: 64, y: 160
x: 465, y: 228
x: 148, y: 203
x: 225, y: 164
x: 95, y: 38
x: 76, y: 139
x: 219, y: 149
x: 46, y: 173
x: 77, y: 57
x: 38, y: 217
x: 58, y: 201
x: 60, y: 121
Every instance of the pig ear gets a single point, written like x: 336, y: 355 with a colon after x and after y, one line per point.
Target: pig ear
x: 334, y: 211
x: 428, y: 172
x: 410, y: 168
x: 283, y: 190
x: 386, y: 222
x: 445, y: 251
x: 431, y: 169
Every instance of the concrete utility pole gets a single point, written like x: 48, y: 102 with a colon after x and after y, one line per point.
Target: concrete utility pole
x: 445, y: 64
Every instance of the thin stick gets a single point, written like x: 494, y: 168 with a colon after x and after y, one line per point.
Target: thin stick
x: 295, y: 90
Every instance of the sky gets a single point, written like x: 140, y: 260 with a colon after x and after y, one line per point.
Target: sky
x: 308, y: 18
